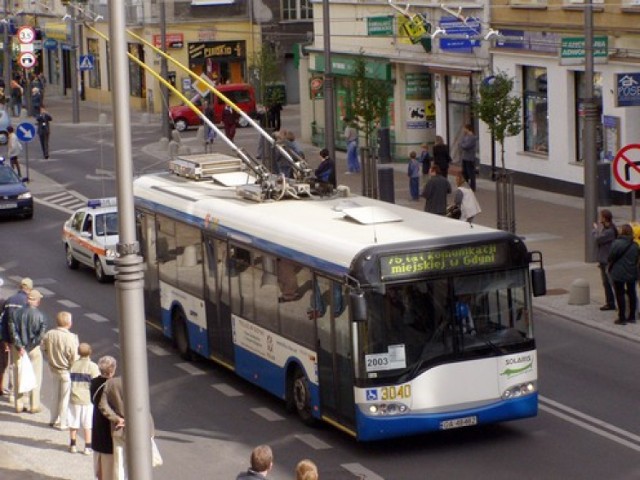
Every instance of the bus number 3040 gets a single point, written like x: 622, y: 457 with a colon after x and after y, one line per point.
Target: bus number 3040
x: 395, y: 392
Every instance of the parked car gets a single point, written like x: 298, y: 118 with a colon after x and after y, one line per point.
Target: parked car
x: 15, y: 197
x: 242, y: 94
x: 5, y: 121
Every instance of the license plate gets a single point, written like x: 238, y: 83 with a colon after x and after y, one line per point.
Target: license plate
x: 8, y: 205
x: 459, y: 423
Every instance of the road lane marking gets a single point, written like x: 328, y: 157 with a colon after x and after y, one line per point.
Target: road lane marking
x: 267, y: 414
x: 227, y: 390
x: 158, y: 350
x: 592, y: 424
x: 96, y: 317
x: 68, y: 303
x: 313, y: 441
x: 358, y: 469
x: 190, y: 369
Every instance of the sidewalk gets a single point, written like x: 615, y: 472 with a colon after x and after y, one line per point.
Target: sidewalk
x: 548, y: 222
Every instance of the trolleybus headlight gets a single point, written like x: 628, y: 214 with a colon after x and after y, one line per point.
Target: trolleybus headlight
x: 519, y: 390
x: 110, y: 254
x: 387, y: 409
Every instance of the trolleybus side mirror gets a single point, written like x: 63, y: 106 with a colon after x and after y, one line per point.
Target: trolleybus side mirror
x: 538, y: 277
x: 358, y: 306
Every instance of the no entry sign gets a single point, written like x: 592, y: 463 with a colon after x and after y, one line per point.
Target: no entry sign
x: 626, y: 166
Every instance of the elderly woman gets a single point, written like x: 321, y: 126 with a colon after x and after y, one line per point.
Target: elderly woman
x: 623, y: 270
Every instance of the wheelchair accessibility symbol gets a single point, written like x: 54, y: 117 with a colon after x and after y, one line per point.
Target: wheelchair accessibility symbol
x: 372, y: 395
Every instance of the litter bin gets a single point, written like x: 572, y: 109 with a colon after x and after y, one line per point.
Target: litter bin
x: 384, y: 145
x: 604, y: 184
x: 385, y: 185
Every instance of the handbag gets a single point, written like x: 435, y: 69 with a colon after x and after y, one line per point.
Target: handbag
x: 26, y: 375
x: 453, y: 211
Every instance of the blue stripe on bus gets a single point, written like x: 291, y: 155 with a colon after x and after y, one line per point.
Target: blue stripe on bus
x: 270, y: 376
x: 258, y: 242
x: 378, y: 428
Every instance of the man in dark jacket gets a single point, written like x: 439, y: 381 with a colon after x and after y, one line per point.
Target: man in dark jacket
x: 27, y: 327
x: 13, y: 303
x: 435, y: 192
x: 605, y: 233
x: 623, y: 269
x: 468, y: 155
x: 261, y: 464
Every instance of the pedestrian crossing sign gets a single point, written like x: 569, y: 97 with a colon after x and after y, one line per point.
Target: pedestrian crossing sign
x: 86, y: 62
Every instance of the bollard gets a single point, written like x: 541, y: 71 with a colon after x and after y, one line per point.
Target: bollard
x: 200, y: 134
x: 173, y: 148
x: 164, y: 143
x: 579, y: 292
x: 184, y: 150
x: 102, y: 119
x: 175, y: 136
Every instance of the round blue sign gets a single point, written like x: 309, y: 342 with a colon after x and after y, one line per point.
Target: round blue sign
x: 25, y: 131
x: 50, y: 44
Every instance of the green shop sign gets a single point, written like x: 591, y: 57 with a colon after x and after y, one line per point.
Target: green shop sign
x: 572, y: 48
x: 346, y: 66
x: 380, y: 26
x: 417, y: 86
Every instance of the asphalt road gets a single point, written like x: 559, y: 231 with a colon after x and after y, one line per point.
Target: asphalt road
x: 208, y: 420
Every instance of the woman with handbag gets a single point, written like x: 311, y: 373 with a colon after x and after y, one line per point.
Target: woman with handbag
x: 623, y: 270
x: 465, y: 199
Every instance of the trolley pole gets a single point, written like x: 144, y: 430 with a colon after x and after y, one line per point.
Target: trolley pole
x: 129, y: 273
x: 329, y: 97
x: 589, y: 138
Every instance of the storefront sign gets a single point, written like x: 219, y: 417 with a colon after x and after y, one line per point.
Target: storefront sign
x: 417, y: 86
x: 380, y: 26
x: 572, y: 50
x: 59, y: 31
x: 227, y: 50
x: 628, y: 89
x: 416, y: 116
x: 533, y: 41
x: 173, y: 40
x: 347, y: 66
x: 316, y: 87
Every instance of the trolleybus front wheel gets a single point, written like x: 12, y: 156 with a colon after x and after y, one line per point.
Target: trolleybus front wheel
x: 180, y: 335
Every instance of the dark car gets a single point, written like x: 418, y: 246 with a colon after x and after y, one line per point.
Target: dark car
x: 15, y: 197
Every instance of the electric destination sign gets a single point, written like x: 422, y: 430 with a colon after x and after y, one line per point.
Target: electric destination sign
x: 402, y: 265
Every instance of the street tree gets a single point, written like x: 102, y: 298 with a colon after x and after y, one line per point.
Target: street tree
x: 499, y: 110
x: 267, y: 72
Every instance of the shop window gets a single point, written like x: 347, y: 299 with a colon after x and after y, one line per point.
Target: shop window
x: 579, y: 114
x: 136, y: 72
x: 536, y: 118
x: 297, y: 10
x: 458, y: 110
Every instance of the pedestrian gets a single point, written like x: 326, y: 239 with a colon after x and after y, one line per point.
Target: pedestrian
x: 261, y: 464
x: 468, y: 146
x: 36, y: 101
x: 113, y: 408
x: 623, y: 269
x: 293, y: 146
x: 326, y: 171
x: 27, y: 327
x: 435, y: 192
x: 425, y: 160
x: 100, y: 425
x: 16, y: 96
x: 60, y: 346
x: 43, y: 122
x: 466, y: 200
x: 80, y: 412
x: 14, y: 148
x: 604, y: 232
x: 229, y: 120
x: 351, y: 136
x: 209, y: 132
x: 306, y: 470
x: 13, y: 303
x: 441, y: 155
x: 413, y: 171
x: 275, y: 112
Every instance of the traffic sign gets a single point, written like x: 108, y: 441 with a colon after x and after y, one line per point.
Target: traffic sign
x: 626, y: 166
x: 27, y: 60
x: 26, y: 34
x: 86, y: 62
x: 26, y: 132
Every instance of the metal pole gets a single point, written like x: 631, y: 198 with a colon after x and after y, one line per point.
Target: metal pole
x: 81, y: 53
x: 129, y: 272
x: 164, y: 72
x: 589, y: 139
x: 73, y: 59
x: 329, y: 97
x: 6, y: 45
